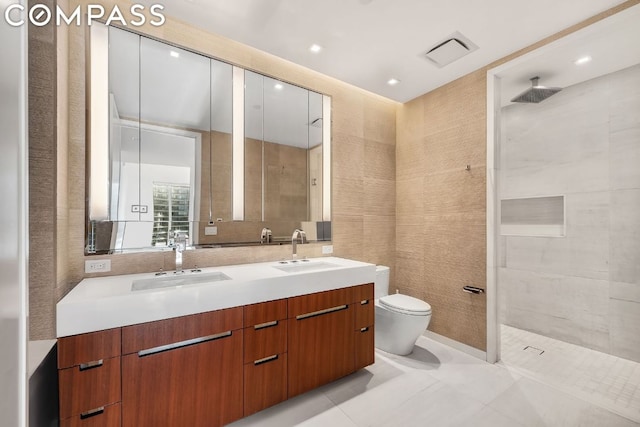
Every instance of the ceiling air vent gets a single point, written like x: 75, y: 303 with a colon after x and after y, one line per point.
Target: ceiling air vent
x: 450, y: 49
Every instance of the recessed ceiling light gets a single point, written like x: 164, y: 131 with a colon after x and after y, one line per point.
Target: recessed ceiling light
x: 393, y: 82
x: 315, y: 48
x: 278, y: 86
x: 174, y: 54
x: 583, y: 60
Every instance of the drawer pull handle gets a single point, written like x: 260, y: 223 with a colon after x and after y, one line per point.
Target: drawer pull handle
x: 91, y: 365
x: 365, y: 329
x: 181, y: 344
x: 364, y: 302
x: 92, y: 413
x: 265, y: 360
x: 321, y: 312
x: 266, y: 325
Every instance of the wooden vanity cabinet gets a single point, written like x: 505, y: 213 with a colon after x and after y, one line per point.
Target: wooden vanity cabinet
x: 89, y: 379
x: 265, y: 355
x: 210, y: 369
x: 364, y: 325
x: 185, y: 371
x: 321, y: 339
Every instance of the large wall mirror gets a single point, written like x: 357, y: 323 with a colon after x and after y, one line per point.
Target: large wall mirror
x: 180, y: 142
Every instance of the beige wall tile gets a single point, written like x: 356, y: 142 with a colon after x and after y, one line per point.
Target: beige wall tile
x: 42, y: 313
x: 347, y: 196
x: 379, y: 236
x: 456, y: 239
x: 409, y: 275
x: 43, y: 170
x: 440, y: 209
x: 456, y: 147
x: 379, y: 160
x: 348, y: 156
x: 410, y: 157
x: 455, y: 191
x: 410, y: 241
x: 461, y: 318
x: 348, y: 236
x: 379, y: 197
x: 348, y: 113
x: 409, y: 197
x: 380, y: 122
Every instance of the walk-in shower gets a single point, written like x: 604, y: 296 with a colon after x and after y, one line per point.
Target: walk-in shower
x: 565, y: 189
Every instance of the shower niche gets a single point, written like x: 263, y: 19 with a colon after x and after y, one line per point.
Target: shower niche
x: 533, y: 216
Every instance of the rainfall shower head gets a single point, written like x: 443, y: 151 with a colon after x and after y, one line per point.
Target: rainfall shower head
x: 536, y: 93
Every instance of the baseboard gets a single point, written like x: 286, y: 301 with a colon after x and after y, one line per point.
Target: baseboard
x: 472, y: 351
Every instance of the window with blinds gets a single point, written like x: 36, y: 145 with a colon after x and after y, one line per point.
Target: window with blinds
x: 170, y: 211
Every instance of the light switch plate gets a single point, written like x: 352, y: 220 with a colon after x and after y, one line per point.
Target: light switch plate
x: 211, y: 231
x: 327, y: 249
x: 97, y: 266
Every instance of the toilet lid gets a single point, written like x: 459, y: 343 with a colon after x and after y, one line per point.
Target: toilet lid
x: 406, y: 304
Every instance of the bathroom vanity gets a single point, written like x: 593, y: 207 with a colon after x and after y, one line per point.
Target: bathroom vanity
x: 186, y: 351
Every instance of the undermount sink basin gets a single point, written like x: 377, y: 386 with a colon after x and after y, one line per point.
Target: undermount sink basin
x: 304, y: 266
x: 178, y: 280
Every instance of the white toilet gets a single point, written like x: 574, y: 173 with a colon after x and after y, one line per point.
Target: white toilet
x: 400, y: 319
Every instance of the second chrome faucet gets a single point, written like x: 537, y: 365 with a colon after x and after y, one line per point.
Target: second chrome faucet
x: 179, y: 246
x: 297, y: 234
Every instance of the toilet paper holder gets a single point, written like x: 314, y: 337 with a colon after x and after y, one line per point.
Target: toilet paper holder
x: 472, y: 290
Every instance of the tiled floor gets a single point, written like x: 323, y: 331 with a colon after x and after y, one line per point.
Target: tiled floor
x: 435, y: 386
x: 599, y: 378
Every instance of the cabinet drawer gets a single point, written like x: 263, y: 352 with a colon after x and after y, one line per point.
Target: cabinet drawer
x: 363, y: 292
x: 197, y: 385
x: 365, y: 313
x: 265, y: 384
x: 264, y: 312
x: 306, y: 304
x: 365, y: 352
x: 164, y: 332
x: 84, y: 389
x: 107, y: 416
x: 263, y: 341
x: 78, y: 349
x: 320, y: 349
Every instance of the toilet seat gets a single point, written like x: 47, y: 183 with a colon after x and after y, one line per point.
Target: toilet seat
x: 405, y: 304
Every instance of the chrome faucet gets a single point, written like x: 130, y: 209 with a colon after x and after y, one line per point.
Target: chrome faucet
x: 266, y: 236
x: 179, y: 245
x: 297, y: 233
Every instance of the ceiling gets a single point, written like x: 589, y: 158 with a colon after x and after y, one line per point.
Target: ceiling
x: 368, y: 42
x: 612, y: 44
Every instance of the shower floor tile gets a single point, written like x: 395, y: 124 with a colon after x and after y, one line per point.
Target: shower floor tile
x: 608, y: 381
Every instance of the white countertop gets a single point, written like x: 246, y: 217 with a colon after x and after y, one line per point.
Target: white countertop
x: 108, y: 302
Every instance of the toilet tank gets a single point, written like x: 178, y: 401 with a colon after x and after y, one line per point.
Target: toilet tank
x: 382, y: 281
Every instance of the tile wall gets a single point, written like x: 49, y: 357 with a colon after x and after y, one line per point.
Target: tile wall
x: 42, y: 177
x: 441, y: 207
x: 583, y: 143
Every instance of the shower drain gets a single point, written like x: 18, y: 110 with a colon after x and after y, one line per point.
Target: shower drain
x: 532, y: 349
